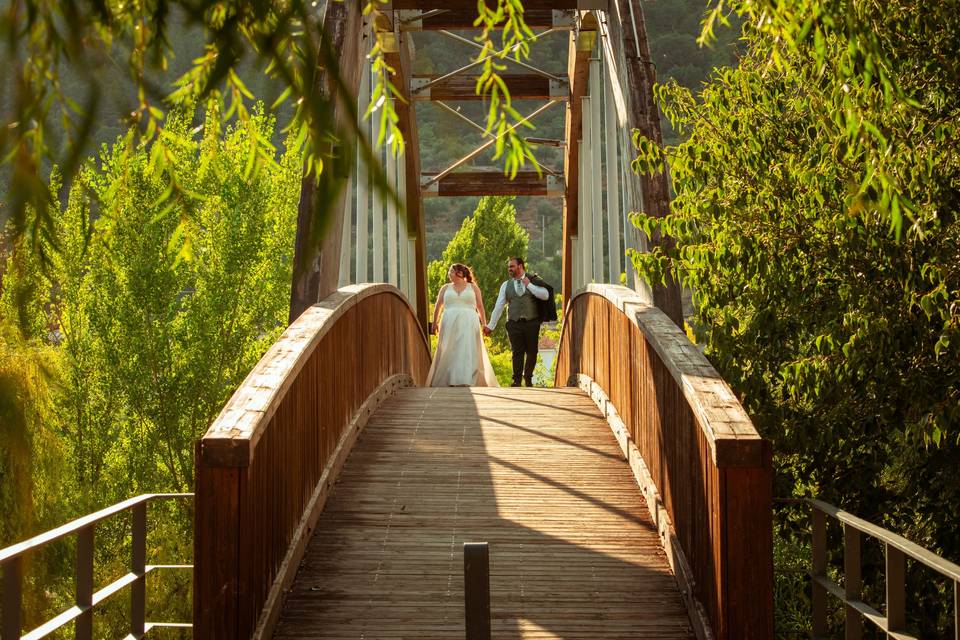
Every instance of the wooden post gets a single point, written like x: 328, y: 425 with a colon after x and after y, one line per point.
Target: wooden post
x: 896, y: 577
x: 853, y: 625
x: 138, y: 566
x: 819, y: 565
x: 476, y: 589
x: 216, y: 552
x: 956, y: 610
x: 83, y: 629
x: 12, y: 598
x: 748, y: 582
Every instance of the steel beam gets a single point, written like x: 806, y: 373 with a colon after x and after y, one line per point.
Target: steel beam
x: 519, y: 63
x: 486, y: 145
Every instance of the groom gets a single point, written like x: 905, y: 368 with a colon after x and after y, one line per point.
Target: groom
x: 524, y: 294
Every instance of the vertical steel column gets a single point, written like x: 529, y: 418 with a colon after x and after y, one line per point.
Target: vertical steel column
x: 377, y: 199
x: 83, y: 626
x: 346, y: 239
x: 12, y: 598
x: 138, y: 567
x: 629, y: 232
x: 576, y: 264
x: 612, y: 174
x: 412, y: 275
x: 595, y: 172
x: 392, y: 218
x: 402, y: 233
x: 363, y: 179
x: 585, y: 215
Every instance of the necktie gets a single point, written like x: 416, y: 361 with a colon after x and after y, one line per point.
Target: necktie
x: 518, y: 286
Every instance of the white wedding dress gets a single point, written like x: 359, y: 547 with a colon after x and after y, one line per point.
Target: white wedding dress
x: 461, y: 357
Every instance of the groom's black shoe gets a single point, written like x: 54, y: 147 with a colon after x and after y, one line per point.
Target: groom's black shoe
x: 529, y: 382
x: 515, y: 383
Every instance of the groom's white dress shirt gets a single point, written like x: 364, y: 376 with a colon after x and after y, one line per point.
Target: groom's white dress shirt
x: 538, y: 292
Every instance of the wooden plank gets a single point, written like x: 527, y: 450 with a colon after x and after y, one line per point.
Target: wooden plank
x: 463, y: 87
x: 287, y: 570
x: 494, y: 183
x: 537, y: 474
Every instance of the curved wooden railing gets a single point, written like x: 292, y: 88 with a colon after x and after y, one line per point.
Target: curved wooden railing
x: 265, y: 466
x: 705, y: 471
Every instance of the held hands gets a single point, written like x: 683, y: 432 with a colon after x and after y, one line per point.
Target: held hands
x: 486, y: 331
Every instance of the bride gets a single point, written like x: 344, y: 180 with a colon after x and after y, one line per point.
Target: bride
x: 461, y: 358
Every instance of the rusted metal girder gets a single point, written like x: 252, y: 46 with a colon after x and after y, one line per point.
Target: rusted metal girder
x: 644, y: 116
x: 399, y: 59
x: 316, y: 257
x: 582, y: 42
x: 494, y: 183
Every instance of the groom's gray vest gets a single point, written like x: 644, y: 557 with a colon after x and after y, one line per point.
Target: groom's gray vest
x: 524, y: 306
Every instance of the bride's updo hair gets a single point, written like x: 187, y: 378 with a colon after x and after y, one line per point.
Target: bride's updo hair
x: 463, y: 271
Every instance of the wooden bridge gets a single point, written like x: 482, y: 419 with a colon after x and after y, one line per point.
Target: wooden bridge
x: 334, y: 493
x: 615, y: 507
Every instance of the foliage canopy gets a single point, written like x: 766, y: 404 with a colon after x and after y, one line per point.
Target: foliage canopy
x: 816, y: 222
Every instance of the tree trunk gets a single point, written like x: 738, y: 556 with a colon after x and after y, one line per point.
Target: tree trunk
x: 316, y: 261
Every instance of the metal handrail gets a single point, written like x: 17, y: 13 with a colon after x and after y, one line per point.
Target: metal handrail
x: 897, y: 548
x: 11, y: 563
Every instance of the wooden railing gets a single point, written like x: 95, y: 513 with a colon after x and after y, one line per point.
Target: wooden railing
x: 265, y: 466
x: 81, y: 614
x: 897, y: 549
x: 705, y: 471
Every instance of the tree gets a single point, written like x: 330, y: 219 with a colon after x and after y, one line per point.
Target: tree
x: 816, y: 222
x: 45, y: 121
x: 142, y: 333
x: 484, y: 242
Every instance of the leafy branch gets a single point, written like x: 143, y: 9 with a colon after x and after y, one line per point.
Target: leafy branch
x: 516, y: 37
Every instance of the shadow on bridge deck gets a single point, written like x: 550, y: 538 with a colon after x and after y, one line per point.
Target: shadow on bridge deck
x: 534, y: 472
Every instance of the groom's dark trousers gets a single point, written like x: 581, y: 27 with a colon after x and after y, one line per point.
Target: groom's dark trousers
x: 524, y: 337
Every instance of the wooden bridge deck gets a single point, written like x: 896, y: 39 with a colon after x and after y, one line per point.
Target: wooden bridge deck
x: 534, y: 472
